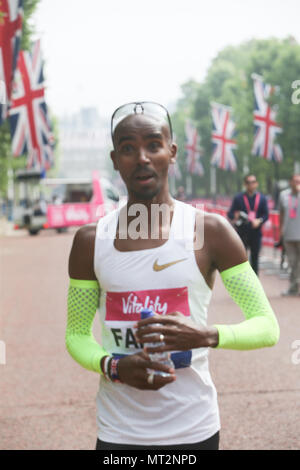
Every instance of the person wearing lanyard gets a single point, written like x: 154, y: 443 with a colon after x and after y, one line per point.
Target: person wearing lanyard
x: 289, y: 208
x: 248, y: 213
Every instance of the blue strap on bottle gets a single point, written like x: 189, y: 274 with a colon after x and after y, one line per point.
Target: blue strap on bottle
x: 146, y: 313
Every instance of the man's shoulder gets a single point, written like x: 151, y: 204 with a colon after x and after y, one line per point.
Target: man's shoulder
x: 88, y: 232
x: 212, y: 222
x: 238, y: 196
x: 214, y: 225
x: 187, y: 207
x: 85, y: 234
x: 263, y: 198
x: 184, y: 204
x: 222, y: 242
x: 284, y: 194
x: 81, y: 260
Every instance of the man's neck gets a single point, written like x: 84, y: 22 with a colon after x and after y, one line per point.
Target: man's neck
x: 159, y: 199
x: 163, y: 204
x: 251, y: 193
x: 151, y: 215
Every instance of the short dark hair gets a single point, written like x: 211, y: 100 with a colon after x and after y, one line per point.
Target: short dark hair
x: 248, y: 176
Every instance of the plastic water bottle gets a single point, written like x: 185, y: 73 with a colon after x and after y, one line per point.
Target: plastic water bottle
x: 163, y: 357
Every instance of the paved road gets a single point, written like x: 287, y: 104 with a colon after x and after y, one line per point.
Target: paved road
x: 47, y: 401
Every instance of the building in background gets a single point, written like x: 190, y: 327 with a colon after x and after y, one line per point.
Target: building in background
x: 84, y: 144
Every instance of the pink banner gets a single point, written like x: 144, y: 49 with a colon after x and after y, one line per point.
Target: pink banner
x: 66, y: 215
x: 72, y: 214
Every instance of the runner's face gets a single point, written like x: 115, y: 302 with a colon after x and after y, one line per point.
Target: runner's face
x: 143, y: 152
x: 295, y: 183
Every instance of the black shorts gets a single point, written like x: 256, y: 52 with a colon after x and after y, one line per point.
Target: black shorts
x: 209, y: 444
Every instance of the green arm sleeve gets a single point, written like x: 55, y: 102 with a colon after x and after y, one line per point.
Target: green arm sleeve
x: 260, y: 329
x: 83, y: 300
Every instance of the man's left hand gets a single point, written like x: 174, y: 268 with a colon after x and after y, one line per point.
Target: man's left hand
x: 179, y: 333
x: 256, y: 223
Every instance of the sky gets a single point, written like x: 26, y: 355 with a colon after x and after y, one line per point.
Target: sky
x: 106, y: 53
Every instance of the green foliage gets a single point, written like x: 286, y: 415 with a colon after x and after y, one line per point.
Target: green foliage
x: 28, y: 27
x: 228, y: 81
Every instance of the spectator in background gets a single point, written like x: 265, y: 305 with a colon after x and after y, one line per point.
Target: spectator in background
x: 57, y: 200
x: 248, y: 213
x: 180, y: 195
x: 40, y: 207
x: 289, y: 211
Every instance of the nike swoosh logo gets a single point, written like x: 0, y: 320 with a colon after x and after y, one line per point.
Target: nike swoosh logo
x: 157, y: 267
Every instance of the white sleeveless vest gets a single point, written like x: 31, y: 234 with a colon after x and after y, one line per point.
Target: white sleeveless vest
x: 185, y: 411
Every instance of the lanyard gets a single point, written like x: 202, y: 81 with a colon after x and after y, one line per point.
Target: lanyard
x: 256, y: 203
x: 293, y: 209
x: 291, y: 203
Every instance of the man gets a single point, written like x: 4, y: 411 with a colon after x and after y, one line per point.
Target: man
x: 123, y: 268
x: 249, y: 211
x: 289, y: 211
x: 180, y: 195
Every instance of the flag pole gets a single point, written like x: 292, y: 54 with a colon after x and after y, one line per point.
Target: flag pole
x: 276, y: 171
x: 255, y: 76
x: 213, y: 183
x: 188, y: 184
x: 218, y: 105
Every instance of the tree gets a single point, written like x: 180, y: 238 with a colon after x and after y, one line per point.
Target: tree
x: 228, y: 81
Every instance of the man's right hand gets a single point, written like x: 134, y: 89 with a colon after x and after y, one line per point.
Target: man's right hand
x: 236, y: 216
x: 132, y: 371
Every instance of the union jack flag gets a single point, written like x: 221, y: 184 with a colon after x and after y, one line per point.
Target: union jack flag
x: 223, y: 143
x: 193, y: 150
x: 266, y: 127
x: 11, y: 14
x: 29, y: 121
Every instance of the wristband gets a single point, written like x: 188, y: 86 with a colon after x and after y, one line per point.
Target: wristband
x: 105, y: 367
x: 113, y: 370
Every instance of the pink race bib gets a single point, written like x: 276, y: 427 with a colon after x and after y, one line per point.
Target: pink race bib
x: 123, y: 310
x: 251, y: 216
x: 293, y: 207
x: 127, y: 306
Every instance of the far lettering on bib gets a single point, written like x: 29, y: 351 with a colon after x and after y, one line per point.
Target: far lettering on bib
x: 123, y: 310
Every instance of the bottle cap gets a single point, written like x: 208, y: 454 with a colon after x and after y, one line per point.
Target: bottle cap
x: 146, y: 313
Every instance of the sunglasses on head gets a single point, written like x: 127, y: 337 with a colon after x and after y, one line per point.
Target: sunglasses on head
x: 140, y: 107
